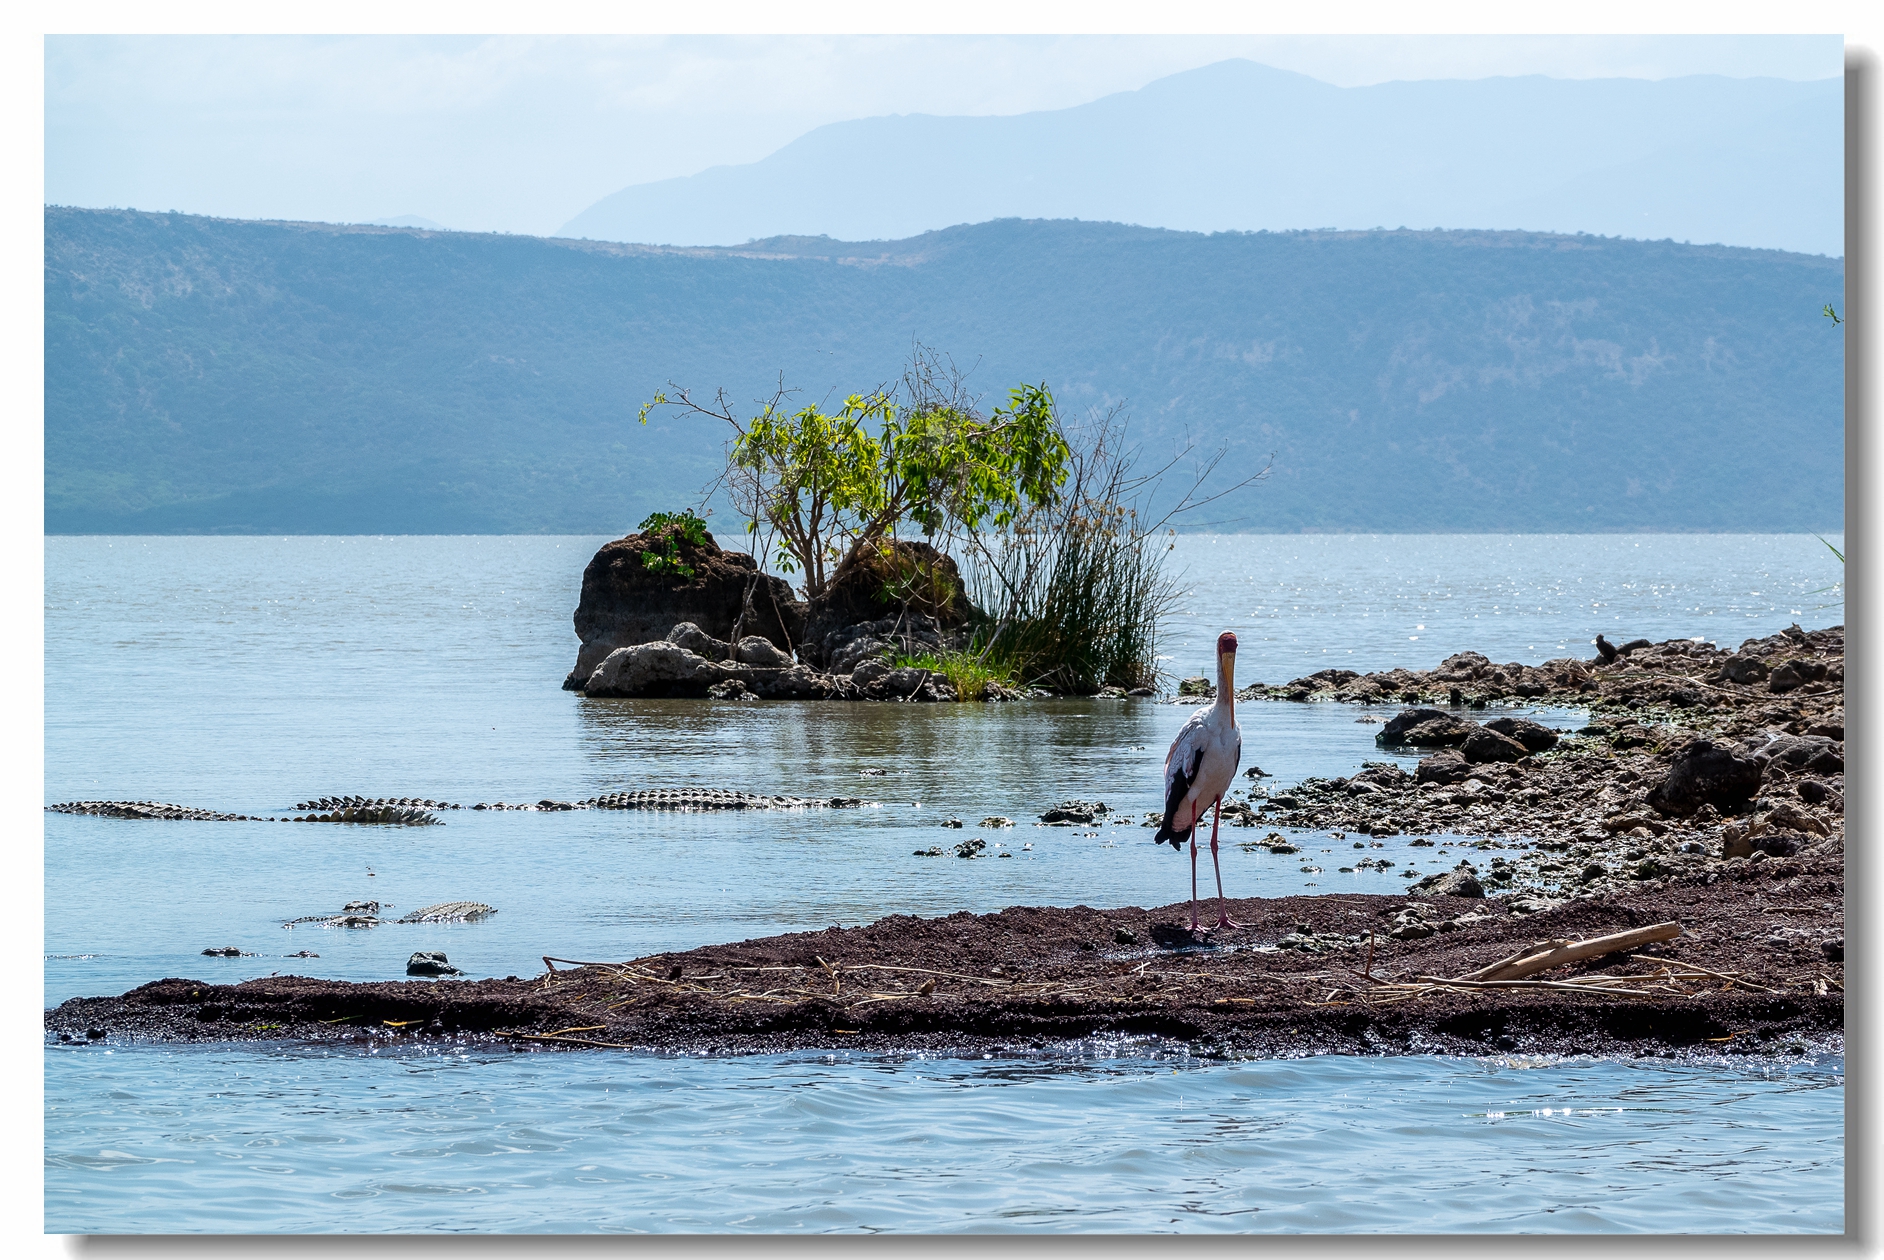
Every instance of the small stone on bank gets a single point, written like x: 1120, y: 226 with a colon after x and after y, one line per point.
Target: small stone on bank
x: 430, y: 962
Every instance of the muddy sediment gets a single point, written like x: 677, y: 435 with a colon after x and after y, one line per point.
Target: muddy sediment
x: 1299, y: 977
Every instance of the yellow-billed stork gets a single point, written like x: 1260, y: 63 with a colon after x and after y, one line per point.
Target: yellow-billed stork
x: 1199, y: 770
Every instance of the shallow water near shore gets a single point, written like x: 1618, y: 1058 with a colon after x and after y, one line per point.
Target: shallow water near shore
x: 245, y: 674
x: 286, y: 1140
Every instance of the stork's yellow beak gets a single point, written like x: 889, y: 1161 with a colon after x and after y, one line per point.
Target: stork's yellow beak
x: 1226, y: 661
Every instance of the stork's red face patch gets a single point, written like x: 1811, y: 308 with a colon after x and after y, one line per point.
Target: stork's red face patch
x: 1226, y: 642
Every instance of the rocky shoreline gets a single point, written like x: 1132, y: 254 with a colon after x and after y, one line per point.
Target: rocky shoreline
x: 1694, y: 759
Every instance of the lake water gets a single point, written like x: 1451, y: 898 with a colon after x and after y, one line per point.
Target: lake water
x: 1113, y: 1139
x: 246, y: 674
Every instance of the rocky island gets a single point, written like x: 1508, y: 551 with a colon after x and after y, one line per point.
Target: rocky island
x: 715, y: 627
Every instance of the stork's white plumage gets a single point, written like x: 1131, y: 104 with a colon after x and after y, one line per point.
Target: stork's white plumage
x: 1199, y: 769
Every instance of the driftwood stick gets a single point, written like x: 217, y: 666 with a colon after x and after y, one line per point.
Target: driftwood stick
x: 1577, y: 951
x: 1484, y: 973
x: 577, y: 962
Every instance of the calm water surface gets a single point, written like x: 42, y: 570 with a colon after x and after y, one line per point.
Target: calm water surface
x: 276, y: 1140
x: 245, y: 674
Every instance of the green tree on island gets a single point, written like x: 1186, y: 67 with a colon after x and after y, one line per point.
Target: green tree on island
x: 1062, y: 552
x: 824, y: 487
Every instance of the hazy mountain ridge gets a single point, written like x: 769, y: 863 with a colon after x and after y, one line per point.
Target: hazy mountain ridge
x: 210, y: 375
x: 1238, y: 145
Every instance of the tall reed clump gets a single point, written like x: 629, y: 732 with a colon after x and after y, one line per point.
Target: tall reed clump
x: 1074, y: 591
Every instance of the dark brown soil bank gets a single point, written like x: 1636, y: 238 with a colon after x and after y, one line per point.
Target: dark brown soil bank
x: 1290, y: 982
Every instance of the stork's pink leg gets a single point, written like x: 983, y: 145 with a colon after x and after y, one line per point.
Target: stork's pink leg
x: 1223, y: 913
x: 1195, y: 925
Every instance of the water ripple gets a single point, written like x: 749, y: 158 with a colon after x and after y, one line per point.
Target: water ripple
x: 837, y: 1143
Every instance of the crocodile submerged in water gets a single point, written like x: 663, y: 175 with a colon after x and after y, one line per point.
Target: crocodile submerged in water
x: 418, y: 812
x: 450, y: 912
x: 148, y: 809
x: 374, y: 802
x: 370, y: 812
x: 403, y: 815
x: 366, y: 914
x: 713, y: 798
x: 650, y: 798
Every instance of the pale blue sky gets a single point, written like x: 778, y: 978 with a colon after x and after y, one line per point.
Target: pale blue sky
x: 519, y: 134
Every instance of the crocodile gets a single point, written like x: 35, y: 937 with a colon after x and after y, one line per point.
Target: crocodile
x: 366, y: 914
x: 148, y: 809
x: 450, y: 912
x: 714, y: 798
x: 358, y: 802
x: 375, y: 812
x: 402, y: 815
x: 420, y: 812
x: 343, y: 920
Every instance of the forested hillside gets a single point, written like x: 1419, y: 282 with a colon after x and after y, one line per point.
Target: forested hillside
x: 213, y: 375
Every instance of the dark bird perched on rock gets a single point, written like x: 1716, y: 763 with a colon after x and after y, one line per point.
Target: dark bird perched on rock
x: 1605, y: 649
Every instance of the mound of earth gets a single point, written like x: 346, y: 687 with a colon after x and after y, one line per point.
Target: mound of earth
x: 1295, y: 980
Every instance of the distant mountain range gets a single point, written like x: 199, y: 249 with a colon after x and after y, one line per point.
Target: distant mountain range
x: 208, y: 375
x: 1242, y: 146
x: 409, y: 220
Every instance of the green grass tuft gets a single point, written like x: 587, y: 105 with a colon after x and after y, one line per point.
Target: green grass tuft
x: 968, y: 672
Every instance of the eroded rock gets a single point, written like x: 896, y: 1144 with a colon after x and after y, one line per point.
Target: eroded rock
x: 906, y: 595
x: 1084, y: 813
x: 754, y: 650
x: 1816, y: 753
x: 1793, y: 674
x: 1534, y: 736
x: 1445, y: 767
x: 1460, y: 881
x: 653, y: 669
x: 1482, y: 745
x: 1425, y: 728
x: 1706, y: 773
x: 625, y: 603
x: 430, y: 962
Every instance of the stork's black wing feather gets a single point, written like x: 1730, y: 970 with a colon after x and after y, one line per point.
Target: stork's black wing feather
x: 1181, y: 781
